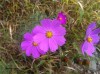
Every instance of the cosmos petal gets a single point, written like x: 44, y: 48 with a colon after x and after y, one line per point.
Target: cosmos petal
x: 95, y: 38
x: 39, y: 37
x: 92, y: 25
x: 96, y: 31
x: 60, y: 40
x: 28, y: 36
x: 88, y: 31
x: 88, y: 52
x: 35, y: 53
x: 29, y: 51
x: 55, y: 23
x: 44, y: 45
x: 91, y: 47
x: 63, y: 16
x: 59, y: 31
x: 84, y: 47
x: 38, y: 29
x: 40, y: 51
x: 46, y: 22
x: 25, y: 45
x: 53, y: 45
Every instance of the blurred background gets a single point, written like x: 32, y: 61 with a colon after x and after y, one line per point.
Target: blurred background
x: 20, y: 16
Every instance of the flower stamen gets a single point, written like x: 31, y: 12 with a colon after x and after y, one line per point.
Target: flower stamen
x: 34, y: 44
x: 60, y: 18
x: 49, y: 34
x: 89, y: 39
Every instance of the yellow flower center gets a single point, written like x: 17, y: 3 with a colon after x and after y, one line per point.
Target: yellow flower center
x: 34, y: 44
x: 49, y: 34
x: 60, y: 18
x: 89, y: 39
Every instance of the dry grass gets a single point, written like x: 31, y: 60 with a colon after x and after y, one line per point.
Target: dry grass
x: 20, y: 16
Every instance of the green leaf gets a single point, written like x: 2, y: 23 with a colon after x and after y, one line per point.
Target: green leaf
x: 41, y: 63
x: 3, y: 69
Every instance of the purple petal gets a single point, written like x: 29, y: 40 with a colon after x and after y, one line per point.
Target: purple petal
x: 88, y: 52
x: 40, y: 51
x: 28, y: 36
x: 35, y: 53
x: 96, y: 31
x: 84, y: 47
x: 55, y: 23
x: 91, y: 49
x: 29, y: 51
x: 64, y: 20
x: 89, y: 31
x: 44, y: 45
x: 25, y: 44
x: 91, y: 46
x: 92, y: 25
x: 63, y: 16
x: 95, y: 38
x: 88, y: 48
x: 60, y: 30
x: 53, y: 45
x: 38, y: 29
x: 46, y: 22
x: 39, y: 37
x: 60, y: 40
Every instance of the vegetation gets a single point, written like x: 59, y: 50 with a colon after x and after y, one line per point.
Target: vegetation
x: 20, y: 16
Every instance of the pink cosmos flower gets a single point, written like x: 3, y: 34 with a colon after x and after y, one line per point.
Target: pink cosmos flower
x: 30, y: 46
x: 49, y: 35
x: 91, y: 39
x: 62, y: 18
